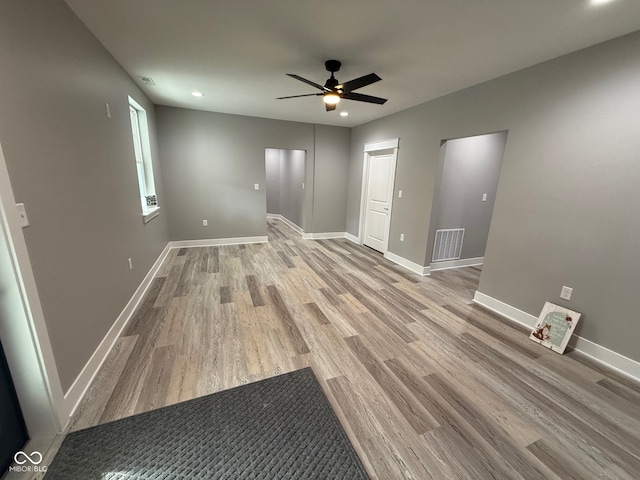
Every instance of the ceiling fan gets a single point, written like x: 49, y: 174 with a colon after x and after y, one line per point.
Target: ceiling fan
x: 333, y: 91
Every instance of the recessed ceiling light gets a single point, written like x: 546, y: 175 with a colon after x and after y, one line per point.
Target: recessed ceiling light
x: 344, y: 114
x: 600, y: 2
x: 197, y: 94
x: 147, y: 80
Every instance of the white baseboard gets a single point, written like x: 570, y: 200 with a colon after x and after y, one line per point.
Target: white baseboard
x: 463, y: 262
x: 286, y: 221
x: 600, y: 354
x: 76, y: 392
x: 307, y: 236
x: 352, y: 238
x: 408, y: 264
x: 323, y: 236
x: 215, y: 242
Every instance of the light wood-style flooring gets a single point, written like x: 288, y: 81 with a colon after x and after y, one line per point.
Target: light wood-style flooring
x: 426, y: 384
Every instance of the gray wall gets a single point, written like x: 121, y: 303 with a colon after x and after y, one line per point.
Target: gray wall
x: 470, y: 168
x: 292, y: 193
x: 566, y: 206
x: 331, y: 178
x: 273, y: 165
x: 285, y: 176
x: 74, y: 169
x: 210, y: 162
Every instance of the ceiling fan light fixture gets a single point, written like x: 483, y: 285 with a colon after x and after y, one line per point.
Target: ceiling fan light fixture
x: 331, y: 98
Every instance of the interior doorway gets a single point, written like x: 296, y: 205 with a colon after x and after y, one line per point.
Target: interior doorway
x: 14, y: 431
x: 285, y: 186
x: 32, y: 389
x: 378, y: 179
x: 463, y: 200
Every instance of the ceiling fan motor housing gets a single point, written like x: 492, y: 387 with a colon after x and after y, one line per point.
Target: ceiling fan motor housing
x: 332, y: 65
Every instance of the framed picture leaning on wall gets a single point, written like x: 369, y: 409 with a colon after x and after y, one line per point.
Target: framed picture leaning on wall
x: 554, y: 327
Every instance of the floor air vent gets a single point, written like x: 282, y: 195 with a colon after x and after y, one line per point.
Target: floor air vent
x: 448, y: 244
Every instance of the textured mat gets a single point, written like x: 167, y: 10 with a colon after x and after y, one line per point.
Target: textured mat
x: 279, y: 428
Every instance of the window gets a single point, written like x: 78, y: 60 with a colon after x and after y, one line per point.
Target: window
x: 144, y: 165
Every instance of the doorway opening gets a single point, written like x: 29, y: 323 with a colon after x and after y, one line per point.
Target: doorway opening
x: 32, y: 399
x: 285, y: 186
x: 378, y: 180
x: 463, y: 200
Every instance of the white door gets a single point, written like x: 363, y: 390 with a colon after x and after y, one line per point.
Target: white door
x: 378, y: 201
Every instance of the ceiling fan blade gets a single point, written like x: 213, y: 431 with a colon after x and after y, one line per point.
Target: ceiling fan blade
x: 363, y: 98
x: 308, y: 82
x: 330, y: 107
x: 360, y: 82
x: 306, y: 95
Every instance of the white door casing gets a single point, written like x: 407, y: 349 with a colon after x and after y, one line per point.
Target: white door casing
x: 25, y: 339
x: 378, y: 178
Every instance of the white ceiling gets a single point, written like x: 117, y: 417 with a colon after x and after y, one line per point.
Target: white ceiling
x: 237, y: 51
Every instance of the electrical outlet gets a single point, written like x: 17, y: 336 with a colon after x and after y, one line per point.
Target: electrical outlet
x: 256, y: 186
x: 130, y: 261
x: 402, y: 237
x: 399, y: 193
x: 484, y: 197
x: 566, y: 292
x: 205, y: 223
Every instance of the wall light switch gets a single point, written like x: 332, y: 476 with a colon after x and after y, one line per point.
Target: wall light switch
x: 107, y: 110
x: 399, y: 193
x: 566, y: 292
x: 256, y: 187
x: 402, y: 237
x: 22, y: 214
x: 303, y: 186
x: 484, y: 197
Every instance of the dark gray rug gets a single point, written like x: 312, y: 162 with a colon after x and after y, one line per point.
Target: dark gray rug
x: 279, y: 428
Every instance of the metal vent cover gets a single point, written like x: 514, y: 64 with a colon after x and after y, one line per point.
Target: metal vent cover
x: 448, y: 244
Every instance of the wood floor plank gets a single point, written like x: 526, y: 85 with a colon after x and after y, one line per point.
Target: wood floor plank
x: 406, y: 404
x: 427, y: 384
x: 281, y: 310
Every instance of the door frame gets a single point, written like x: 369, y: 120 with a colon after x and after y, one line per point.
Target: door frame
x: 370, y: 150
x: 32, y: 365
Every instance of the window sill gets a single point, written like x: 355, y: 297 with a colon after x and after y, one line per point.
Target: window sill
x: 150, y: 214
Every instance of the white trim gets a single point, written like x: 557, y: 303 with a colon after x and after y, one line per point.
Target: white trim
x: 408, y: 264
x: 369, y: 148
x: 352, y: 238
x: 26, y: 340
x: 150, y: 214
x: 463, y: 262
x: 286, y: 221
x: 505, y: 310
x: 600, y: 354
x: 215, y: 242
x: 381, y: 145
x: 83, y: 381
x: 323, y: 236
